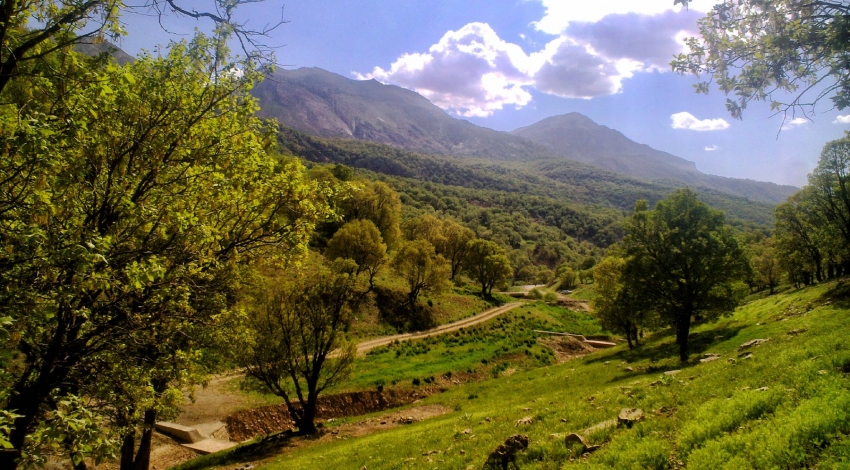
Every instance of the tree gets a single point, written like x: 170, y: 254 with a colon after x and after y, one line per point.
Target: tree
x: 619, y: 308
x: 422, y: 269
x: 759, y: 50
x: 488, y: 264
x: 375, y: 201
x: 830, y: 186
x: 455, y: 244
x: 60, y: 25
x: 765, y: 265
x: 129, y: 201
x: 359, y: 241
x: 298, y: 348
x: 683, y: 260
x: 797, y: 230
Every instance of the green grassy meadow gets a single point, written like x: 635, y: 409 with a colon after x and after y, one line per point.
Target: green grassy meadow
x: 786, y: 404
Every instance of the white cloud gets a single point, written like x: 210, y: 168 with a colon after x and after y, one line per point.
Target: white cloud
x: 560, y: 13
x: 470, y: 71
x: 685, y: 120
x: 842, y: 120
x: 597, y: 45
x: 711, y: 148
x: 796, y: 122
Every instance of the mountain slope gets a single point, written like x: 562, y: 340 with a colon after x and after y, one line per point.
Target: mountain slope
x: 576, y: 137
x: 328, y: 105
x: 325, y: 104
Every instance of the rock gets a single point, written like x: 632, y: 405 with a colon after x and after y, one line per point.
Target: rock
x: 573, y: 439
x: 797, y: 331
x: 753, y: 342
x: 709, y: 359
x: 672, y: 372
x: 762, y: 389
x: 467, y: 431
x: 524, y: 421
x: 630, y: 416
x: 745, y: 355
x: 505, y: 454
x: 628, y: 369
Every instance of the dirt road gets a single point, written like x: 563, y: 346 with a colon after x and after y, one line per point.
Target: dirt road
x: 474, y: 320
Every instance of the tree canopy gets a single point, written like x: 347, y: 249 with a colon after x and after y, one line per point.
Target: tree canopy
x: 762, y: 50
x: 129, y: 199
x: 682, y: 261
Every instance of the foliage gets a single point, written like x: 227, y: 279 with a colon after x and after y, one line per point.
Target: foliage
x: 682, y: 261
x: 378, y: 202
x: 450, y: 239
x: 619, y: 307
x: 759, y: 50
x: 487, y: 263
x: 361, y: 242
x: 130, y: 197
x: 422, y: 270
x: 298, y: 348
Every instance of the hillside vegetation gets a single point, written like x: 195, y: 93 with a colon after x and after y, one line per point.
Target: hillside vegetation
x: 784, y: 403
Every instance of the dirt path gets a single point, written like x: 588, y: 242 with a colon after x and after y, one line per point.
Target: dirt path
x: 474, y: 320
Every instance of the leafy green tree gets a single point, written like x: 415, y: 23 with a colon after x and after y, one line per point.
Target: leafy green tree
x: 765, y: 264
x: 359, y: 241
x: 298, y: 348
x: 759, y: 50
x: 422, y: 269
x: 454, y: 245
x: 488, y: 264
x: 618, y: 306
x: 797, y: 231
x: 830, y: 187
x: 128, y: 203
x: 60, y: 25
x: 683, y: 260
x: 378, y: 202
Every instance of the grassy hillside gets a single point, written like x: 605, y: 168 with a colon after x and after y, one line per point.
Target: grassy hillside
x: 781, y: 404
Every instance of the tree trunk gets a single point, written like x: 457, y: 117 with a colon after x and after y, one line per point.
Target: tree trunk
x: 127, y: 447
x: 143, y: 456
x: 683, y: 327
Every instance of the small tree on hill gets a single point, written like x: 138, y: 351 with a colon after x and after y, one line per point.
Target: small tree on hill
x: 616, y: 305
x: 295, y: 331
x: 683, y: 260
x: 422, y: 269
x: 488, y: 264
x: 359, y: 241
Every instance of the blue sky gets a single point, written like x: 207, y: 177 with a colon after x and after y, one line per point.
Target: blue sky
x: 505, y: 64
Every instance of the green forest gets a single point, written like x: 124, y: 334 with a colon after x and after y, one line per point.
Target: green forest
x: 156, y: 232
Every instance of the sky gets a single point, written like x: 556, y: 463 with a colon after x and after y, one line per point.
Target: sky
x: 506, y: 64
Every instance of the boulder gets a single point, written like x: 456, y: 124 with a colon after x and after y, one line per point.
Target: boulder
x: 630, y: 416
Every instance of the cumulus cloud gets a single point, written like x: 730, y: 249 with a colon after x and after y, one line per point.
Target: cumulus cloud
x: 796, y: 122
x: 560, y: 13
x: 470, y: 71
x: 597, y: 45
x: 686, y: 120
x: 711, y: 148
x: 651, y: 40
x: 842, y: 120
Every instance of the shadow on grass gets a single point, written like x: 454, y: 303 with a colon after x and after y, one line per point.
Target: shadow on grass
x: 839, y: 295
x: 663, y: 347
x: 258, y: 449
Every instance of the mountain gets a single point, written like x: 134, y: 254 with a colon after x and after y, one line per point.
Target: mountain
x: 324, y: 104
x: 576, y: 137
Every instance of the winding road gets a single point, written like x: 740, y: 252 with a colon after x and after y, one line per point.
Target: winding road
x: 448, y: 327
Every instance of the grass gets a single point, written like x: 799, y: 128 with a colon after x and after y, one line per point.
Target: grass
x: 786, y: 406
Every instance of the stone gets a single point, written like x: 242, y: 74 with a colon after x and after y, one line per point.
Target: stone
x: 505, y: 454
x: 573, y: 439
x: 797, y: 331
x: 709, y: 359
x: 672, y: 372
x: 628, y: 369
x: 753, y: 342
x: 467, y: 431
x: 630, y: 416
x: 184, y: 434
x: 524, y: 421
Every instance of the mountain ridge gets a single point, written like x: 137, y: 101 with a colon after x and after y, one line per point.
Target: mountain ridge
x: 328, y: 105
